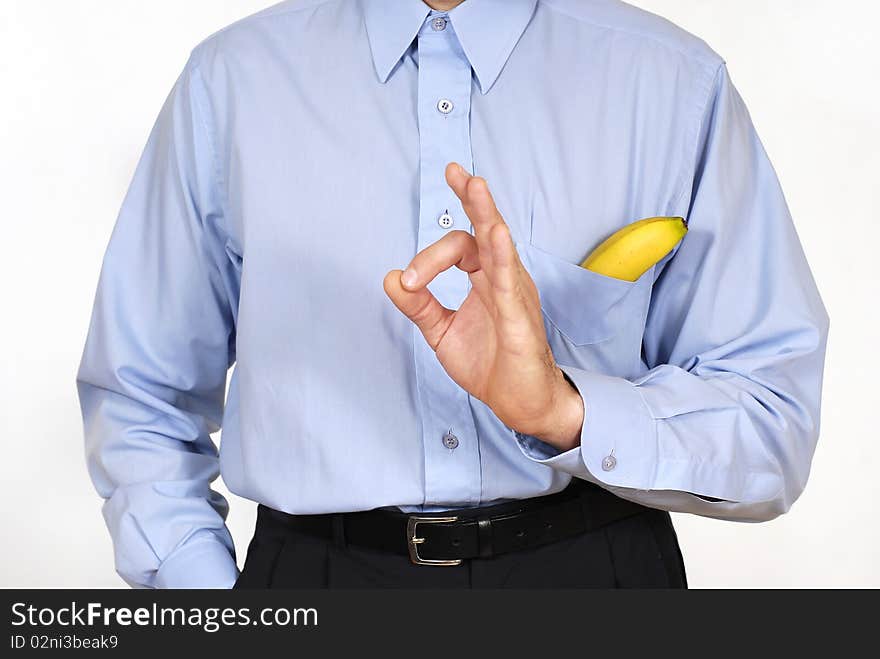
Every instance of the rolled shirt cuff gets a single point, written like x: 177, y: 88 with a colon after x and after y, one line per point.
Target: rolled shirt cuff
x: 205, y: 562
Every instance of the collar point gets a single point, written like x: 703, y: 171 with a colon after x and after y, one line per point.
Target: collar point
x: 382, y: 75
x: 485, y: 87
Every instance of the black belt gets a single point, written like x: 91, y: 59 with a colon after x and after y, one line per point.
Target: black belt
x: 449, y: 537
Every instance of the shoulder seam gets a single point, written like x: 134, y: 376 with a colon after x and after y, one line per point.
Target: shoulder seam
x: 617, y: 28
x: 202, y: 111
x: 265, y: 14
x: 708, y: 86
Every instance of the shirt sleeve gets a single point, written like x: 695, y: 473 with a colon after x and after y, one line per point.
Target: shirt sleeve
x: 152, y: 377
x: 724, y: 421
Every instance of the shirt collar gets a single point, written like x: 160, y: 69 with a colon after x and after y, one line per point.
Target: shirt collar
x: 488, y: 30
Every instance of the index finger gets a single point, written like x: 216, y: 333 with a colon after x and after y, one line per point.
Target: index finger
x: 456, y: 248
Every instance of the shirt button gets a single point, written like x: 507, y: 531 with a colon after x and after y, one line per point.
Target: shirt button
x: 609, y: 462
x: 445, y: 106
x: 450, y: 441
x: 438, y: 24
x: 446, y: 221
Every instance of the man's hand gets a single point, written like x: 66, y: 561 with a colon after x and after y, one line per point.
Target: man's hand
x: 494, y: 346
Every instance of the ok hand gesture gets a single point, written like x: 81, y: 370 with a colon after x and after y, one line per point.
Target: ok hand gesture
x: 494, y: 346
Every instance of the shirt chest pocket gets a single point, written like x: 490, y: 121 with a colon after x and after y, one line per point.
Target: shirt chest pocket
x: 593, y: 322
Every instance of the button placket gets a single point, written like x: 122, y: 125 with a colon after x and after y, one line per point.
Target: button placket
x: 452, y: 458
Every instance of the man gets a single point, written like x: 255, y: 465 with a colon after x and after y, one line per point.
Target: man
x: 524, y: 421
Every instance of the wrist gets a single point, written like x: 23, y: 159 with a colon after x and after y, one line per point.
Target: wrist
x: 565, y: 420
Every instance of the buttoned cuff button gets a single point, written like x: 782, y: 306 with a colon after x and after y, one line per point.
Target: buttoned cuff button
x: 609, y: 462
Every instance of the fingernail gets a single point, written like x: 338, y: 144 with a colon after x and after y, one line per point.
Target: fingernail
x: 408, y: 278
x: 461, y: 170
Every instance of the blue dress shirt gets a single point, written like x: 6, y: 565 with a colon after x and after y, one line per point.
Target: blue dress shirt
x: 300, y: 156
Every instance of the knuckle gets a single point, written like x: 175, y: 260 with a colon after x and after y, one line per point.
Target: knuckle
x: 421, y: 315
x: 459, y: 237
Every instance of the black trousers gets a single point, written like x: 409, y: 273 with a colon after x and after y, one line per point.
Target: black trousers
x: 640, y: 551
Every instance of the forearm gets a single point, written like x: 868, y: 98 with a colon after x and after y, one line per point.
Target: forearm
x: 153, y: 465
x: 674, y: 439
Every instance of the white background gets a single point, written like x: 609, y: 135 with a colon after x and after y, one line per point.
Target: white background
x: 81, y: 82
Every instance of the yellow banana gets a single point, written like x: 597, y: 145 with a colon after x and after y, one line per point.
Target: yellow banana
x: 631, y: 252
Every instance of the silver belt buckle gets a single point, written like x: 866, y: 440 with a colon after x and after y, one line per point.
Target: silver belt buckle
x: 413, y: 541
